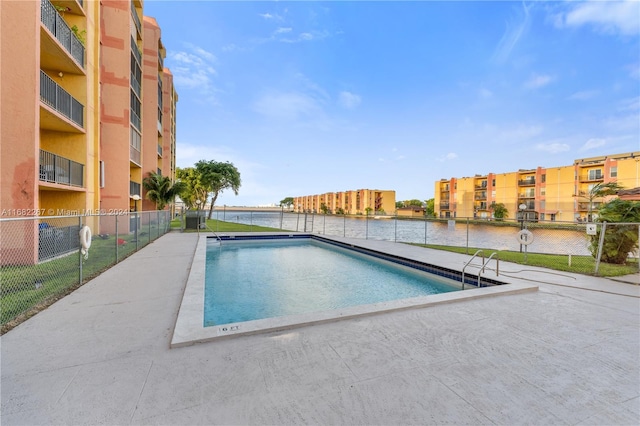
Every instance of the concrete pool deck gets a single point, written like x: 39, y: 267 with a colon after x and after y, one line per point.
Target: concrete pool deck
x: 568, y: 353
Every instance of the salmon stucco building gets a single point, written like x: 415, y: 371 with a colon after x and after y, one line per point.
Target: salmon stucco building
x: 87, y: 108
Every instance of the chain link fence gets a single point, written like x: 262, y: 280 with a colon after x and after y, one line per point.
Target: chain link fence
x: 568, y: 246
x: 43, y: 258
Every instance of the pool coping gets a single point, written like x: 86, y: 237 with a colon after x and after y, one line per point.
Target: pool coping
x: 189, y: 328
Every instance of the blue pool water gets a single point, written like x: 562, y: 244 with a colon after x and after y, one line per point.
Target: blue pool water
x: 247, y: 281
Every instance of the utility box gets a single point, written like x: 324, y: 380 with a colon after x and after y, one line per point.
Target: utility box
x: 195, y: 219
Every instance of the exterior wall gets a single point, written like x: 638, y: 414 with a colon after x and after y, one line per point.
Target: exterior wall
x: 116, y: 31
x: 152, y: 136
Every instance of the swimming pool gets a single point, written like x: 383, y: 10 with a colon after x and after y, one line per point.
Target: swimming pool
x: 189, y: 327
x: 256, y: 279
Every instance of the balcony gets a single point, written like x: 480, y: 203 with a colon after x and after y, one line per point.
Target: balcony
x: 136, y: 20
x: 134, y: 188
x: 60, y: 170
x: 61, y: 101
x: 480, y: 206
x: 135, y: 85
x: 592, y: 177
x: 530, y: 205
x: 57, y: 27
x: 480, y: 196
x: 134, y: 155
x: 136, y: 51
x: 135, y: 120
x: 527, y: 195
x: 160, y: 61
x: 444, y: 206
x: 527, y: 182
x: 159, y: 150
x: 481, y: 187
x: 584, y: 207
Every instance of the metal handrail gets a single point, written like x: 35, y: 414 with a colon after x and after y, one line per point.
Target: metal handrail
x: 484, y: 264
x: 467, y: 264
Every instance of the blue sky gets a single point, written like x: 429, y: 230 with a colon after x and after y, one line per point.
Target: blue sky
x: 313, y: 97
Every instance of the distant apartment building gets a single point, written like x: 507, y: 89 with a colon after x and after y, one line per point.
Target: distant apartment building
x: 80, y: 129
x: 542, y: 194
x: 354, y: 202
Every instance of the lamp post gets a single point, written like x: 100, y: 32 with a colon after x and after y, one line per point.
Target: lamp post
x: 136, y: 198
x: 198, y: 202
x: 522, y: 207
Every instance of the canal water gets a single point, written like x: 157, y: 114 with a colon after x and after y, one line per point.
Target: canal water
x: 570, y: 240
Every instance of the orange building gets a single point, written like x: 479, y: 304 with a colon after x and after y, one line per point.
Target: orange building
x: 356, y: 202
x: 556, y: 193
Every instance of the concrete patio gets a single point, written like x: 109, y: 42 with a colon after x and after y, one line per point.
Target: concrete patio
x: 568, y: 353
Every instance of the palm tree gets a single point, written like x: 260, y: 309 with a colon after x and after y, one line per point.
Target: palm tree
x: 160, y: 190
x: 600, y: 190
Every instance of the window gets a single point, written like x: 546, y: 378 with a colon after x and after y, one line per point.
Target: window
x: 614, y: 171
x: 543, y: 191
x: 543, y: 178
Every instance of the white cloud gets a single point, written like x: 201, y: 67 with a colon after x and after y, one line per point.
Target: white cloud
x: 537, y: 81
x: 553, y: 147
x: 282, y: 30
x: 512, y: 35
x: 269, y: 16
x: 193, y: 68
x: 583, y: 95
x: 609, y: 17
x: 485, y: 93
x: 450, y: 156
x: 287, y: 106
x: 349, y: 100
x: 592, y: 144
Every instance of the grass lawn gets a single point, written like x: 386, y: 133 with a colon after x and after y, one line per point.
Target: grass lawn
x: 214, y: 225
x: 25, y: 287
x: 579, y: 264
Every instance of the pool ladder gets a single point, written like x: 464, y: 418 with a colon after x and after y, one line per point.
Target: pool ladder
x: 484, y: 264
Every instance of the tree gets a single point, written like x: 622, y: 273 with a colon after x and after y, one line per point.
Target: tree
x: 413, y: 203
x: 324, y: 208
x: 619, y: 240
x: 600, y: 190
x: 368, y: 210
x: 499, y: 211
x: 399, y: 204
x: 287, y: 202
x: 431, y: 207
x: 160, y: 190
x: 193, y: 187
x: 216, y: 177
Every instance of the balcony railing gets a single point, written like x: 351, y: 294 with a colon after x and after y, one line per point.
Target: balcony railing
x: 51, y: 19
x: 444, y: 206
x: 135, y: 84
x: 480, y: 196
x: 530, y: 205
x: 134, y: 188
x: 592, y: 177
x: 136, y: 51
x: 481, y: 187
x: 583, y: 207
x: 60, y: 100
x: 56, y: 169
x: 134, y: 155
x: 527, y: 182
x: 160, y: 150
x: 160, y: 62
x: 135, y: 120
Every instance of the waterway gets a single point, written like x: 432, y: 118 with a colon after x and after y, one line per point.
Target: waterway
x: 572, y: 241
